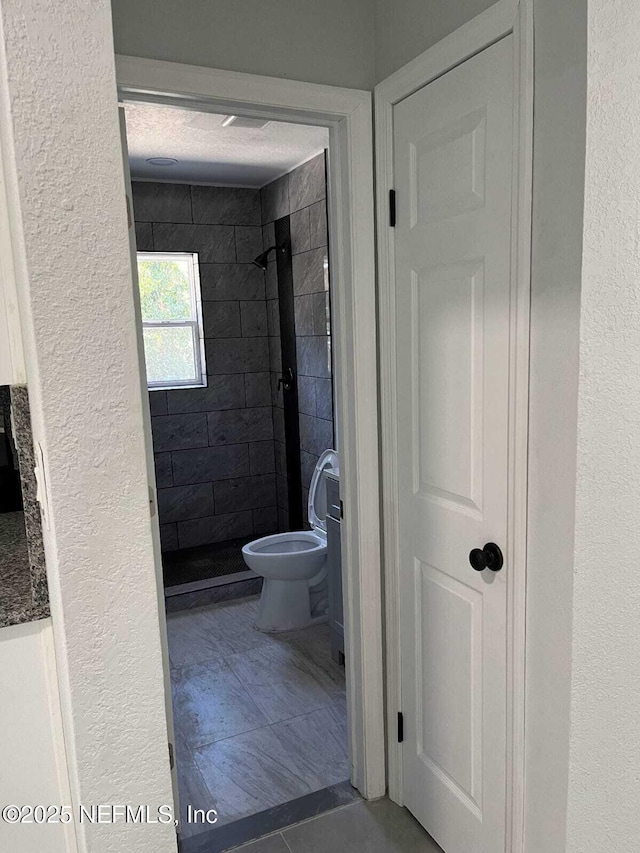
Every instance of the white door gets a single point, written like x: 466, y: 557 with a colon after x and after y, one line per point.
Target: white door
x: 453, y: 178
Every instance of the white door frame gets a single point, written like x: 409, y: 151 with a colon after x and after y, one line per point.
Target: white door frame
x: 504, y: 17
x: 347, y: 115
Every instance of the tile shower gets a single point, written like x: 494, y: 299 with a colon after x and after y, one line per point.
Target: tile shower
x: 301, y: 196
x: 219, y: 451
x: 213, y: 446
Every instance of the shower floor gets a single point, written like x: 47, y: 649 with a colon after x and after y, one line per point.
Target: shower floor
x: 203, y: 562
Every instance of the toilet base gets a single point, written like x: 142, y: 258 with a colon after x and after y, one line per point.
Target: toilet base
x: 284, y: 606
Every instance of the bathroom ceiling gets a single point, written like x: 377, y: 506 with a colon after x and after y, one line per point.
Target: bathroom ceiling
x: 210, y: 153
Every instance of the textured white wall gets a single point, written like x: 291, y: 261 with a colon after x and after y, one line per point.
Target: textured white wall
x: 604, y: 779
x: 319, y: 42
x: 31, y: 746
x: 61, y: 139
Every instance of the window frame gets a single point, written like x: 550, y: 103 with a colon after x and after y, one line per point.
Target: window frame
x: 199, y: 380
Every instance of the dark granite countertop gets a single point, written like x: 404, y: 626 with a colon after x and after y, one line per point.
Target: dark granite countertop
x: 24, y: 596
x: 15, y: 571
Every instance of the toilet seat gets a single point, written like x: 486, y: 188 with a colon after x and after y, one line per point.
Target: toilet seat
x: 317, y: 506
x: 285, y: 543
x: 280, y: 544
x: 280, y: 556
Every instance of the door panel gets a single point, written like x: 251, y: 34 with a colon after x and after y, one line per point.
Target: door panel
x: 448, y: 619
x: 453, y: 178
x: 447, y: 169
x: 447, y: 304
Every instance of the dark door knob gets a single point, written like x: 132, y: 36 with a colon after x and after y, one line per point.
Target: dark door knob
x: 489, y: 557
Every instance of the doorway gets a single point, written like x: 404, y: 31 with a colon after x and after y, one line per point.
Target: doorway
x: 298, y: 238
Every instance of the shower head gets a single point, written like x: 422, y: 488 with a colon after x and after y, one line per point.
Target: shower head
x: 262, y: 260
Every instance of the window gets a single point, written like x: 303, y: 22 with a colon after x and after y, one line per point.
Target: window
x: 171, y: 319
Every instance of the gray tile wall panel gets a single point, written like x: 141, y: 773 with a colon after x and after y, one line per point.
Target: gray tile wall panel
x: 222, y: 282
x: 164, y: 472
x: 262, y: 457
x: 224, y: 225
x: 314, y: 356
x: 306, y: 206
x: 307, y: 183
x: 248, y: 244
x: 209, y: 464
x: 225, y: 205
x: 240, y: 425
x: 300, y: 233
x: 169, y: 537
x: 308, y: 271
x: 258, y: 389
x: 222, y: 319
x: 254, y: 319
x: 144, y: 237
x: 245, y: 493
x: 318, y: 225
x: 225, y: 391
x: 237, y: 355
x: 182, y: 502
x: 303, y: 307
x: 275, y: 355
x: 308, y: 463
x: 158, y: 403
x: 156, y: 202
x: 273, y: 318
x: 179, y: 432
x: 307, y: 395
x: 274, y: 199
x: 278, y: 425
x: 280, y: 452
x: 265, y: 520
x: 324, y: 399
x: 215, y: 244
x: 214, y: 528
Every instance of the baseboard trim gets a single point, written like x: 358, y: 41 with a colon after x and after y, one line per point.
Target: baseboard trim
x: 208, y: 583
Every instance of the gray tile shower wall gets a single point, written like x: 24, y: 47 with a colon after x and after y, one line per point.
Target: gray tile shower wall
x: 301, y: 194
x: 214, y: 447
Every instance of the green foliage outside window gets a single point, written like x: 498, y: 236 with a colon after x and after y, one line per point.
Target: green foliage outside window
x: 164, y: 290
x: 171, y: 349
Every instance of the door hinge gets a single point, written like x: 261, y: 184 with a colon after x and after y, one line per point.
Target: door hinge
x: 400, y: 727
x: 171, y: 758
x: 341, y: 510
x: 392, y: 208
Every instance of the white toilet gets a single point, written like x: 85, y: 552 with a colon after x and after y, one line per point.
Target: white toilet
x: 293, y: 563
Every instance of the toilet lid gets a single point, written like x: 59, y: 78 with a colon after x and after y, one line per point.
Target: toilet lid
x: 318, y: 492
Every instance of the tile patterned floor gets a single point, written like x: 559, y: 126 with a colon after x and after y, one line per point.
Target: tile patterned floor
x: 260, y: 718
x: 362, y: 827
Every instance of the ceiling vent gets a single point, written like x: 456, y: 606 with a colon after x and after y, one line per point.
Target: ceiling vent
x: 244, y: 121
